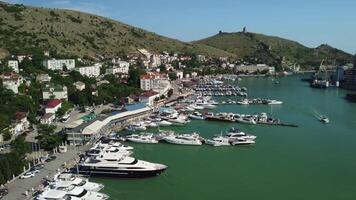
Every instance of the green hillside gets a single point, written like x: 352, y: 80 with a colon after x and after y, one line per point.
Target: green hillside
x: 269, y: 49
x: 24, y: 29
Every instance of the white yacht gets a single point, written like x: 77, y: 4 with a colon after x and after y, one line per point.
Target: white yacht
x: 324, y: 119
x: 243, y: 102
x: 77, y: 192
x: 108, y: 149
x: 164, y: 123
x: 49, y: 194
x: 185, y: 139
x: 274, y: 102
x: 196, y: 115
x: 197, y: 107
x: 246, y: 120
x: 102, y: 145
x: 143, y: 138
x: 235, y: 133
x: 152, y: 125
x: 79, y: 181
x: 219, y: 141
x: 241, y: 141
x: 119, y: 166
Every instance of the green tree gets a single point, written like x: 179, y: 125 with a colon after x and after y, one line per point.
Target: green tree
x: 47, y: 138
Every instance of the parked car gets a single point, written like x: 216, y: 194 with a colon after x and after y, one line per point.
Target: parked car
x: 3, y: 192
x: 51, y: 158
x: 27, y: 175
x: 35, y: 171
x: 37, y: 167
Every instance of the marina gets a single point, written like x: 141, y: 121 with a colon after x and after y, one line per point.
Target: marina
x: 288, y: 148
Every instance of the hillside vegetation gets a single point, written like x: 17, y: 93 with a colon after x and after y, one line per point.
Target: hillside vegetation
x: 269, y: 49
x: 25, y: 29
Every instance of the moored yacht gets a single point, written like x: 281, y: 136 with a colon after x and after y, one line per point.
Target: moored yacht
x: 243, y: 102
x: 218, y: 141
x: 54, y: 195
x: 274, y: 102
x: 185, y: 139
x: 196, y: 115
x: 77, y: 192
x: 163, y: 123
x: 79, y: 181
x: 119, y: 166
x: 241, y: 141
x: 143, y: 138
x: 235, y: 133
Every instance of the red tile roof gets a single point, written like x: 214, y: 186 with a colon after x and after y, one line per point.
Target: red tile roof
x: 149, y: 93
x: 20, y: 115
x: 53, y: 103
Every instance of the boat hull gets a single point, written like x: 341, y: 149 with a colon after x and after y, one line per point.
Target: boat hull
x: 119, y: 173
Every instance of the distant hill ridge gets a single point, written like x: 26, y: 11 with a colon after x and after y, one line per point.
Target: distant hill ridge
x: 27, y: 29
x: 274, y: 50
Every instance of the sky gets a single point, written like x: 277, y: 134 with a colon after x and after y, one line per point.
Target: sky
x: 310, y: 22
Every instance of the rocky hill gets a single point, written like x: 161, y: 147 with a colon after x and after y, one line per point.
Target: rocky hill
x: 274, y: 50
x: 25, y: 29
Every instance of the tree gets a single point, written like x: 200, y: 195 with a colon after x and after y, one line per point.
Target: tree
x: 20, y: 146
x: 134, y: 76
x: 66, y: 105
x: 6, y: 134
x: 47, y: 138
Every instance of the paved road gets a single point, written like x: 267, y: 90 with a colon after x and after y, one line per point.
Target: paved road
x: 18, y: 187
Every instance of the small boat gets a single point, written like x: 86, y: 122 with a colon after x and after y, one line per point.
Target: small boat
x: 235, y: 133
x: 143, y: 138
x: 196, y: 115
x: 246, y: 120
x: 241, y: 141
x: 196, y: 107
x: 152, y: 125
x: 184, y: 139
x: 164, y: 123
x: 243, y: 102
x: 324, y: 119
x: 218, y: 141
x: 274, y: 102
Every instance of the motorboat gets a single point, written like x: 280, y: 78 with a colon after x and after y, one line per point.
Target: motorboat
x: 79, y: 181
x: 97, y: 151
x: 235, y: 133
x: 245, y: 120
x: 197, y: 107
x: 219, y: 141
x: 324, y: 119
x: 243, y: 102
x: 118, y: 145
x: 164, y: 123
x: 184, y: 139
x: 54, y: 195
x: 274, y: 102
x: 143, y: 138
x: 196, y: 115
x: 116, y: 165
x: 75, y: 191
x: 241, y: 141
x: 152, y: 125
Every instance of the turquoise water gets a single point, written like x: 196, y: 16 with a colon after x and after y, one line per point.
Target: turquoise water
x: 313, y: 161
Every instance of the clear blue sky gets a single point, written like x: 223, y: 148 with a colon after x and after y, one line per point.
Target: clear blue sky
x: 310, y: 22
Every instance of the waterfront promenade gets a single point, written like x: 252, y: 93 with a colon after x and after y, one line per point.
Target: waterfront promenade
x: 18, y: 187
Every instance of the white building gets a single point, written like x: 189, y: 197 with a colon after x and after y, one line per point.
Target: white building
x: 119, y: 68
x: 54, y: 64
x: 90, y: 71
x: 20, y: 124
x: 255, y: 68
x: 48, y: 118
x: 79, y: 85
x: 11, y: 81
x: 148, y: 97
x: 179, y: 74
x: 14, y: 65
x: 53, y: 105
x: 52, y: 91
x: 156, y: 82
x: 43, y: 78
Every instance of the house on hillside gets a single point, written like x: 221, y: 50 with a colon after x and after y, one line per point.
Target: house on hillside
x: 148, y: 97
x: 61, y: 64
x: 53, y: 105
x: 48, y: 118
x: 43, y: 78
x: 14, y: 65
x: 20, y: 124
x: 90, y: 71
x: 79, y: 85
x: 11, y: 81
x: 54, y: 91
